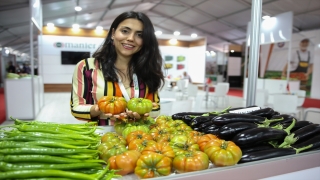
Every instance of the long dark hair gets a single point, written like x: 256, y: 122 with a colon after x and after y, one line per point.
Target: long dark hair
x: 146, y: 63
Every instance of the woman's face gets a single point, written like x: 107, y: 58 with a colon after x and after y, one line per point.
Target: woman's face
x: 127, y: 37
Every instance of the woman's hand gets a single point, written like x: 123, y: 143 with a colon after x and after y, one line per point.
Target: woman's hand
x: 114, y: 117
x: 95, y: 111
x: 135, y: 115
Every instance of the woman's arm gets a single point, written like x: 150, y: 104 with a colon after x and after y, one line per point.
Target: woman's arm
x: 79, y: 107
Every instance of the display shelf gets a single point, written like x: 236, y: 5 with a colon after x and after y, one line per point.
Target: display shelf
x: 24, y: 97
x: 259, y: 169
x: 247, y: 171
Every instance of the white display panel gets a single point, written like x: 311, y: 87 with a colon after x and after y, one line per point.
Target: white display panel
x: 274, y: 29
x: 234, y: 66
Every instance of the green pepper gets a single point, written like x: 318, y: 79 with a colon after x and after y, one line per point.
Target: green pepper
x: 44, y: 159
x: 19, y: 174
x: 70, y: 166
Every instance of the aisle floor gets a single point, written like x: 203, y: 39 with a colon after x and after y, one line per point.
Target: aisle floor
x: 57, y: 109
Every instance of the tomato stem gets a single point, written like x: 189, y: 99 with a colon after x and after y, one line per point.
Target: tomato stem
x: 224, y: 145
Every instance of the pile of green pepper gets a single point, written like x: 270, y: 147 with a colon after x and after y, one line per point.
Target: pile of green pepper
x: 42, y: 150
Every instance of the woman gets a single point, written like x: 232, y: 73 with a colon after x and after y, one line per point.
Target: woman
x: 128, y: 64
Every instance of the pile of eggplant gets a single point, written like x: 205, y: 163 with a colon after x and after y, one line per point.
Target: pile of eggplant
x: 261, y: 134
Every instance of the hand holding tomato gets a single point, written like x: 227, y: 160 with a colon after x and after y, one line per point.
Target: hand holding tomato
x: 138, y: 107
x: 113, y: 107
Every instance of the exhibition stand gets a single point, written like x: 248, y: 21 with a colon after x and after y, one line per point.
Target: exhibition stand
x: 24, y: 97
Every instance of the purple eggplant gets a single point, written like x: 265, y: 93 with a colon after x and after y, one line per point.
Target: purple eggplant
x: 315, y: 141
x: 298, y: 125
x: 301, y: 134
x: 228, y: 131
x: 270, y: 153
x: 258, y: 135
x: 265, y: 112
x: 262, y: 134
x: 179, y: 116
x: 213, y: 129
x: 256, y: 148
x: 224, y: 119
x: 286, y: 119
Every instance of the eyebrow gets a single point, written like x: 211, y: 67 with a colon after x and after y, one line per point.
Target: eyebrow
x: 126, y: 27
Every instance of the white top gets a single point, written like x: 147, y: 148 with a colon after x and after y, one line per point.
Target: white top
x: 295, y: 59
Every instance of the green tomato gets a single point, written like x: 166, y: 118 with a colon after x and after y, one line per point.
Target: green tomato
x: 132, y: 128
x: 119, y: 126
x: 140, y: 105
x: 183, y: 143
x: 108, y: 149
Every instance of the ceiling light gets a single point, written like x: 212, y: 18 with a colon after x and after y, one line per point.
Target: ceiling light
x: 78, y: 8
x: 319, y: 45
x: 7, y: 51
x: 99, y: 28
x: 232, y: 51
x: 75, y: 26
x: 212, y: 53
x: 176, y: 33
x: 265, y: 17
x: 194, y: 35
x: 50, y: 25
x: 158, y: 33
x: 173, y: 41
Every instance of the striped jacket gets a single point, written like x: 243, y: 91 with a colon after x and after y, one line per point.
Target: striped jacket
x: 88, y: 86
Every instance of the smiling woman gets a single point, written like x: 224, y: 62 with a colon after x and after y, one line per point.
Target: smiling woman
x: 128, y: 64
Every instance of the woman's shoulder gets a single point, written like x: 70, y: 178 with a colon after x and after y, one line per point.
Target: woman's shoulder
x: 88, y: 63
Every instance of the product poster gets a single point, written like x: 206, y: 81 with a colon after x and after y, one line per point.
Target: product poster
x: 274, y: 59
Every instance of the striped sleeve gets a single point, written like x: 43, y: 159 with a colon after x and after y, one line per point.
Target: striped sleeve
x: 79, y: 108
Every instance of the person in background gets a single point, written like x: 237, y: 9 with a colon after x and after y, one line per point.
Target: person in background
x: 302, y: 60
x: 186, y: 76
x: 26, y: 69
x: 11, y: 68
x: 128, y: 64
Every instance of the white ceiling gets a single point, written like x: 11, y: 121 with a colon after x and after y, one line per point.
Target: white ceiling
x: 220, y: 21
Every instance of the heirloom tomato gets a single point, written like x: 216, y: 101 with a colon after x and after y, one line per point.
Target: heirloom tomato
x: 125, y: 162
x: 182, y: 129
x: 139, y: 144
x: 108, y: 149
x: 165, y: 138
x: 203, y: 140
x: 138, y: 135
x: 159, y: 148
x: 195, y: 135
x: 112, y: 104
x: 130, y: 128
x: 223, y: 153
x: 163, y: 119
x: 153, y: 165
x: 175, y: 123
x: 119, y: 126
x: 160, y: 130
x: 113, y: 137
x: 140, y: 105
x: 181, y: 143
x: 191, y: 161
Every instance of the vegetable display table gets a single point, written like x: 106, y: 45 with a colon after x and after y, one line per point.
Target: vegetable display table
x: 253, y: 170
x: 259, y: 169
